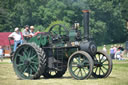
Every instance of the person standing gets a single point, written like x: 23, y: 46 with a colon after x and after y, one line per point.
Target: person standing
x: 115, y: 49
x: 104, y: 48
x: 32, y: 33
x: 112, y: 52
x: 26, y: 33
x: 1, y: 53
x: 17, y: 38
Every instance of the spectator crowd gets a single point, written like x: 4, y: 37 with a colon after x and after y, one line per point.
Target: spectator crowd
x: 116, y: 51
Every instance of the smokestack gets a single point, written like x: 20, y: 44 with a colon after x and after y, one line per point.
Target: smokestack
x: 86, y: 24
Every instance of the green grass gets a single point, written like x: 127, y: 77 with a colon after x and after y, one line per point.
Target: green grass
x: 4, y: 63
x: 119, y: 76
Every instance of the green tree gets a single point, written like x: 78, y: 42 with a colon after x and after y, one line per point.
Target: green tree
x: 109, y: 14
x: 107, y: 17
x: 124, y: 8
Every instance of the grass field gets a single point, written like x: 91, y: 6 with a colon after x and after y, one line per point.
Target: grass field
x: 119, y: 76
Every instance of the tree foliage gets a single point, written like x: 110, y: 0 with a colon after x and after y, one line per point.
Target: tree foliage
x: 107, y: 17
x: 124, y: 8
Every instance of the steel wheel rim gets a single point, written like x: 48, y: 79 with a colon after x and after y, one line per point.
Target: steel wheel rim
x: 81, y: 66
x: 26, y: 62
x: 101, y: 66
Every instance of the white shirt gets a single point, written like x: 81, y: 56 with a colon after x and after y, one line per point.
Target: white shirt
x: 104, y: 49
x: 16, y: 36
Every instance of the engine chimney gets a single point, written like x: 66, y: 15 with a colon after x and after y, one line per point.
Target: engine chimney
x: 86, y: 24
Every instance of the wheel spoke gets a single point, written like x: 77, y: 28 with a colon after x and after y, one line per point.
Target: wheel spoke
x: 25, y: 70
x: 75, y: 70
x: 105, y: 64
x: 36, y: 68
x: 33, y: 57
x: 84, y: 70
x: 74, y: 62
x: 99, y: 70
x: 29, y: 53
x: 85, y: 61
x: 30, y: 72
x: 104, y: 61
x: 20, y: 55
x: 101, y: 58
x: 22, y: 59
x: 74, y: 65
x: 105, y: 68
x: 96, y: 58
x: 24, y: 54
x: 78, y: 72
x: 81, y: 72
x: 96, y: 69
x: 32, y: 52
x: 33, y: 68
x: 36, y: 63
x: 102, y: 70
x: 78, y: 59
x: 19, y: 65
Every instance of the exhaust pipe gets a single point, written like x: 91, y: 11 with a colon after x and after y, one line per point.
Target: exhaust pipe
x: 87, y: 45
x: 86, y: 24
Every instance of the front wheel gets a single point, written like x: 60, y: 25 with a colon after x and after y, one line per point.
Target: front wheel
x: 102, y: 65
x: 80, y: 65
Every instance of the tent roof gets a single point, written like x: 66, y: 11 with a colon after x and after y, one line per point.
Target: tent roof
x: 4, y: 38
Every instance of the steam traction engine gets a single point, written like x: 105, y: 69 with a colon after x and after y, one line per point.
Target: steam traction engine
x: 51, y: 53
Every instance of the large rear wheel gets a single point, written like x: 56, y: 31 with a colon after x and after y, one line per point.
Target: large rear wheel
x: 29, y: 61
x: 80, y: 65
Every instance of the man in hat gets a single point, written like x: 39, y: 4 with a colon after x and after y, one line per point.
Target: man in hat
x: 17, y: 38
x: 32, y: 33
x: 26, y: 33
